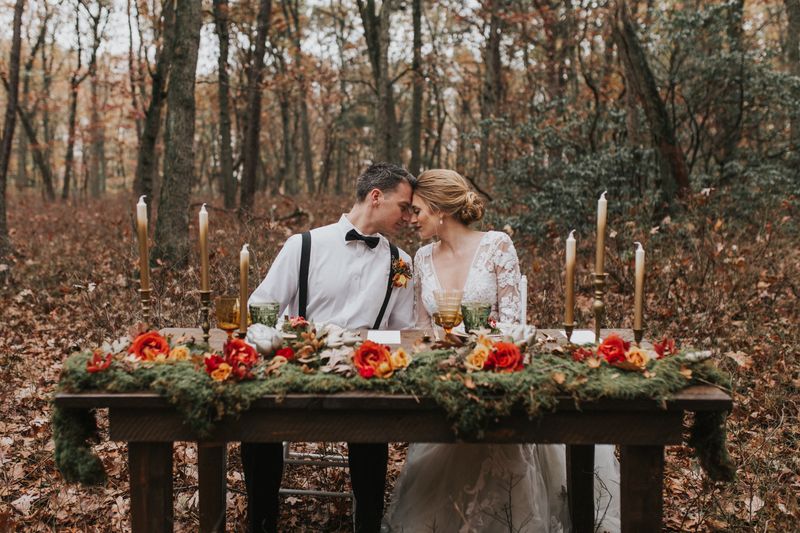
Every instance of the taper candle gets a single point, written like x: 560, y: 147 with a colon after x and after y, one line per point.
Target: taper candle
x: 602, y: 210
x: 144, y: 263
x: 569, y: 310
x: 638, y: 298
x: 203, y: 225
x: 244, y: 266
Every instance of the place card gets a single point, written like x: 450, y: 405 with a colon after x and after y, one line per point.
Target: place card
x: 384, y: 336
x: 580, y: 336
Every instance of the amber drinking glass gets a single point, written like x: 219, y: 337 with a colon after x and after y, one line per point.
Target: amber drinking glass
x: 226, y: 309
x: 448, y: 309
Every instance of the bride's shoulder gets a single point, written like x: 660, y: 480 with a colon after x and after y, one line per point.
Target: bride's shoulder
x: 424, y: 251
x: 498, y: 237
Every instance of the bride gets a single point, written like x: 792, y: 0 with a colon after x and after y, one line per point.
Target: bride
x: 478, y: 487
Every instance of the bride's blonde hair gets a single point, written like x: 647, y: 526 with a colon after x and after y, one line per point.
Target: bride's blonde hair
x: 447, y: 191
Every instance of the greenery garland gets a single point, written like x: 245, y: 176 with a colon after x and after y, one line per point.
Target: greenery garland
x: 470, y: 400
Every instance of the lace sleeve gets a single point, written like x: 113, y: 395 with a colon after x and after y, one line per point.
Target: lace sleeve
x: 506, y: 269
x: 423, y: 318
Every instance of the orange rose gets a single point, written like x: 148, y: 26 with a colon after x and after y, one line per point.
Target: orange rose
x: 400, y: 358
x: 372, y: 359
x: 98, y: 363
x: 638, y: 357
x: 505, y: 357
x: 222, y: 372
x: 148, y: 346
x: 613, y: 349
x: 238, y: 351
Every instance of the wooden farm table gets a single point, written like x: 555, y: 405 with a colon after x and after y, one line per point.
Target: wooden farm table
x: 641, y: 429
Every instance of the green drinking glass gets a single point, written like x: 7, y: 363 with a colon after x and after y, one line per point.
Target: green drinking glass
x: 265, y: 313
x: 476, y: 315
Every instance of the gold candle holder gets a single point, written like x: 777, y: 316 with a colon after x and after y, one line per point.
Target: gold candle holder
x: 599, y: 306
x: 205, y: 308
x: 568, y: 330
x: 637, y: 336
x: 144, y: 295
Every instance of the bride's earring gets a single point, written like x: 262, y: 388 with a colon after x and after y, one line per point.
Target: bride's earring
x: 441, y: 220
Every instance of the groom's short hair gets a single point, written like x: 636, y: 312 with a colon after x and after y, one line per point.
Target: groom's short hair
x: 382, y: 176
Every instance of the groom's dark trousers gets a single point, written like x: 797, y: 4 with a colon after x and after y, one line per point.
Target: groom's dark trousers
x: 263, y: 468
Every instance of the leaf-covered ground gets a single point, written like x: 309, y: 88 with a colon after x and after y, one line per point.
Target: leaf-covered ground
x: 725, y: 282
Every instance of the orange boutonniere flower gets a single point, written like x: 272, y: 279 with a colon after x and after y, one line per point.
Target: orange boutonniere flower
x: 373, y: 360
x: 148, y: 346
x: 401, y: 273
x: 98, y: 363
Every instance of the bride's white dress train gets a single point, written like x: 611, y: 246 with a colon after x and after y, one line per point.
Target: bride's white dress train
x: 490, y: 488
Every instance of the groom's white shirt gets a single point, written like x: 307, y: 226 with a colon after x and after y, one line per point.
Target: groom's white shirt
x: 346, y: 281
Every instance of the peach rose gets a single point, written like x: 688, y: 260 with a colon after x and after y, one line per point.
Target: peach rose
x: 476, y: 360
x: 179, y: 353
x: 222, y: 372
x: 400, y: 358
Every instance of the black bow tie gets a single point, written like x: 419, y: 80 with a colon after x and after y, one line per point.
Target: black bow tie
x: 353, y: 235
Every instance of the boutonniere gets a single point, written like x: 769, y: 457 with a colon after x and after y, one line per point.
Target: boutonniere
x: 401, y: 273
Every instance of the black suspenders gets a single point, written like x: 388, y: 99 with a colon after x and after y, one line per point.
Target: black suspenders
x: 305, y: 259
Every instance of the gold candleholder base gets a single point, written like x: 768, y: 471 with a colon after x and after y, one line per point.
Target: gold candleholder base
x: 568, y: 328
x: 599, y: 306
x: 637, y: 336
x: 205, y: 308
x: 144, y: 295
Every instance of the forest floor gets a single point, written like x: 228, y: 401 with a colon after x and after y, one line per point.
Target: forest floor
x: 730, y: 285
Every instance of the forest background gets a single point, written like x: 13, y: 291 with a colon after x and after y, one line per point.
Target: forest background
x: 685, y: 111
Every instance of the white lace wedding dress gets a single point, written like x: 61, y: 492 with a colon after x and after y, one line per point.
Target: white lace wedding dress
x: 488, y: 487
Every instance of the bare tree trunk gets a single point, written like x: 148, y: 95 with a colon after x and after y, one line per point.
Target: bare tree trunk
x: 97, y: 175
x: 253, y: 127
x: 376, y: 32
x: 291, y: 12
x: 147, y: 160
x: 172, y: 224
x: 9, y: 123
x: 793, y: 59
x: 730, y: 131
x: 74, y: 84
x: 133, y: 72
x: 226, y: 146
x: 674, y: 174
x: 491, y: 93
x: 23, y: 140
x: 416, y: 96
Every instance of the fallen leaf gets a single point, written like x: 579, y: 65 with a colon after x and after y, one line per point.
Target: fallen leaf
x: 685, y: 372
x: 559, y: 377
x: 468, y: 383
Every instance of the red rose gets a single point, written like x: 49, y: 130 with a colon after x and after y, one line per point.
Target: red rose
x: 212, y: 362
x: 613, y: 349
x: 372, y: 359
x: 665, y: 347
x: 505, y: 357
x: 98, y: 363
x: 148, y: 345
x: 287, y: 352
x: 238, y: 351
x: 580, y: 354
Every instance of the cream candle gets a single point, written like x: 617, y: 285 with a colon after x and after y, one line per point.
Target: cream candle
x: 569, y: 310
x: 141, y: 225
x: 244, y: 266
x: 602, y: 211
x: 203, y: 225
x: 638, y: 298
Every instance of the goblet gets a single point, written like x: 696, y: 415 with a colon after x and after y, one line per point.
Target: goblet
x: 226, y: 309
x: 265, y: 313
x: 476, y: 315
x: 448, y: 313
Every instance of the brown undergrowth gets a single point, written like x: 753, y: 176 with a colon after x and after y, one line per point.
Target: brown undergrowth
x: 717, y: 283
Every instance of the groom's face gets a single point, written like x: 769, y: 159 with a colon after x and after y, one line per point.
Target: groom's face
x: 395, y: 208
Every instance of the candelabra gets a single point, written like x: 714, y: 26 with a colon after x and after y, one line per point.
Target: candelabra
x: 568, y: 330
x: 599, y: 305
x: 205, y: 307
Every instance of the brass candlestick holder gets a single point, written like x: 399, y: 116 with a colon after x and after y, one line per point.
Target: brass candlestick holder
x: 205, y: 308
x: 599, y: 305
x: 637, y: 336
x: 568, y: 330
x: 144, y: 295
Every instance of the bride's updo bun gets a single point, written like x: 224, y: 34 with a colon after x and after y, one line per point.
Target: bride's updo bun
x: 448, y: 192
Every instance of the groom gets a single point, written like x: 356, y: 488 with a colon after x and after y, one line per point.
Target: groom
x: 341, y: 274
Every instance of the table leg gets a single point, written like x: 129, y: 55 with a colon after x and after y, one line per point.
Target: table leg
x: 212, y: 471
x: 580, y: 486
x: 641, y: 487
x: 150, y: 470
